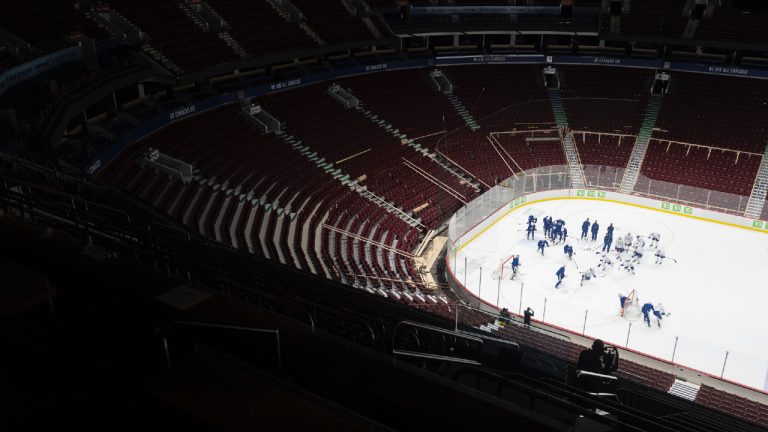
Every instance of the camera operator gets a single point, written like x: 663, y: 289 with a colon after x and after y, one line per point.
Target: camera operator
x: 601, y: 360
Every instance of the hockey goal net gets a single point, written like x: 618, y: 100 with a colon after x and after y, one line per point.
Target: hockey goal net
x: 504, y: 269
x: 631, y: 310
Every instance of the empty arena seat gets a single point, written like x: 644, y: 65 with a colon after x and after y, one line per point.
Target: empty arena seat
x: 175, y: 34
x: 716, y: 111
x: 332, y: 22
x: 713, y: 169
x: 259, y: 28
x: 604, y: 99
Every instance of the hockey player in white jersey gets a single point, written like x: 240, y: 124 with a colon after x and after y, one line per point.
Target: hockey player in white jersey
x: 659, y: 256
x: 639, y: 242
x: 605, y: 263
x: 659, y: 313
x: 620, y: 246
x: 587, y: 275
x: 654, y: 238
x: 628, y: 265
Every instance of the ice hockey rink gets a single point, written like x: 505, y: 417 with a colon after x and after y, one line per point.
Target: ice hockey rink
x: 716, y: 293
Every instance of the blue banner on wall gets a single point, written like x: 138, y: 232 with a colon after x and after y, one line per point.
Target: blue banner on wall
x: 606, y: 60
x: 395, y: 65
x: 37, y: 66
x: 717, y: 69
x: 488, y: 59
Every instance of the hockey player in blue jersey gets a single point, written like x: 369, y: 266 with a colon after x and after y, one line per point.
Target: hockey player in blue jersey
x: 568, y: 250
x: 542, y: 244
x: 531, y: 230
x: 647, y: 309
x: 595, y: 229
x: 531, y: 219
x: 564, y: 234
x: 610, y: 229
x: 607, y: 240
x: 547, y: 225
x: 585, y: 228
x: 515, y: 265
x: 555, y: 233
x: 560, y: 275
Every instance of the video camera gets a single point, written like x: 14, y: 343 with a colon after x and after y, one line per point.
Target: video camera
x: 610, y: 359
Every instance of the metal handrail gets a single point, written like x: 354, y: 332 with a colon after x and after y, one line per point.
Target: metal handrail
x: 439, y: 330
x: 596, y: 375
x: 170, y: 326
x: 490, y: 338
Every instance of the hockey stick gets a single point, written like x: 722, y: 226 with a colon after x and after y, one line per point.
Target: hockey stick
x: 669, y: 258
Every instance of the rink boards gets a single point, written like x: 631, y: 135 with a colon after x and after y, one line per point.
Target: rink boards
x: 717, y: 298
x: 614, y: 197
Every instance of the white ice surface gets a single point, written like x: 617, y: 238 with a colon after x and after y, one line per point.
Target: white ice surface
x: 716, y: 293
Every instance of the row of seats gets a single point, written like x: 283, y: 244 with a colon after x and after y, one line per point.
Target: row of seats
x: 729, y: 23
x: 500, y: 99
x: 716, y: 170
x: 44, y: 24
x: 529, y: 153
x: 607, y: 150
x: 254, y: 171
x: 255, y: 25
x: 259, y: 28
x: 407, y: 100
x: 733, y: 404
x: 288, y: 199
x: 491, y: 92
x: 173, y: 33
x: 645, y: 375
x: 604, y: 99
x: 716, y: 111
x: 359, y: 258
x: 369, y: 153
x: 655, y: 17
x: 332, y: 22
